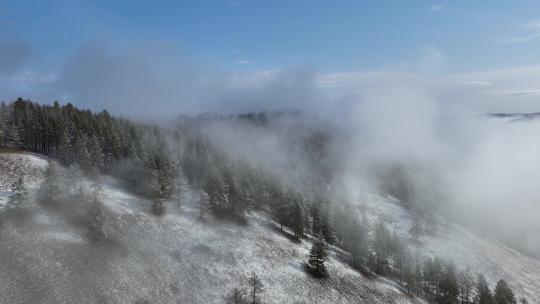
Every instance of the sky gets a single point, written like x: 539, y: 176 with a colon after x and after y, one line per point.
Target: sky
x: 197, y: 56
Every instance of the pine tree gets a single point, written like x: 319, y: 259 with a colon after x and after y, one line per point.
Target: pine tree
x: 236, y: 296
x: 50, y: 187
x: 281, y: 209
x: 408, y: 276
x: 317, y: 258
x: 203, y: 204
x: 358, y: 244
x: 316, y: 220
x: 327, y: 230
x: 180, y: 185
x: 297, y: 219
x: 155, y: 189
x: 236, y: 203
x: 465, y: 280
x: 217, y: 194
x: 483, y: 293
x: 95, y: 152
x: 448, y: 286
x: 395, y: 248
x: 256, y: 288
x: 427, y: 273
x: 417, y: 228
x: 437, y: 274
x: 372, y: 261
x: 504, y: 294
x: 74, y: 175
x: 418, y: 278
x: 2, y: 125
x: 12, y: 135
x: 380, y: 247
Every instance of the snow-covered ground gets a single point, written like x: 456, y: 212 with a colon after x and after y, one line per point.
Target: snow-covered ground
x: 13, y: 165
x: 49, y: 255
x: 455, y: 243
x: 4, y: 198
x: 29, y: 166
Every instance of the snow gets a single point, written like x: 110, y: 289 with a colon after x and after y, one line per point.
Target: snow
x: 30, y: 166
x: 4, y: 198
x: 455, y: 243
x: 494, y: 260
x: 49, y: 254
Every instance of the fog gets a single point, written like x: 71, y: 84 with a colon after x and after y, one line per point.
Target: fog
x: 477, y: 169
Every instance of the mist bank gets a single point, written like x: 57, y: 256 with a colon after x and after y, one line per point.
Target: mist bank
x: 477, y: 170
x: 412, y: 130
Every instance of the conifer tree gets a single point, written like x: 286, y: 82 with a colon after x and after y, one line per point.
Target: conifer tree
x: 317, y: 258
x: 256, y: 288
x: 408, y: 276
x: 203, y: 204
x: 483, y: 293
x: 297, y: 219
x: 418, y: 278
x: 2, y: 127
x: 316, y: 220
x: 504, y: 294
x: 417, y: 228
x: 180, y: 185
x: 380, y: 247
x: 465, y: 280
x: 236, y: 296
x: 358, y: 244
x: 50, y: 186
x: 448, y: 286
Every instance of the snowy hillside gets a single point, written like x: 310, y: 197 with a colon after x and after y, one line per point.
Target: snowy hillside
x: 14, y: 165
x: 50, y: 255
x: 455, y: 243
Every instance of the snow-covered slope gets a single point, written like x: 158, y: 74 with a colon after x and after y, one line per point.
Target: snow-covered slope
x: 29, y: 166
x: 51, y: 255
x: 455, y: 243
x: 14, y: 165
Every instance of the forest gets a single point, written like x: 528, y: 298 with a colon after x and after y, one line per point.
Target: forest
x: 163, y: 162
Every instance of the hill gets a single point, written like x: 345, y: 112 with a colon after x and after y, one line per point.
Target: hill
x: 50, y: 255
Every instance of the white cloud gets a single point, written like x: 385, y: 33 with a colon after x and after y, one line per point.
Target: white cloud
x: 244, y: 61
x: 533, y: 24
x: 526, y: 37
x: 517, y: 39
x: 33, y: 77
x: 477, y: 84
x: 254, y: 79
x: 530, y: 92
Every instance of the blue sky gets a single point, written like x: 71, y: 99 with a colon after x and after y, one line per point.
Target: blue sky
x: 38, y: 39
x: 331, y: 35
